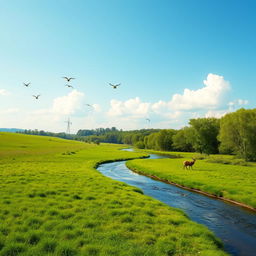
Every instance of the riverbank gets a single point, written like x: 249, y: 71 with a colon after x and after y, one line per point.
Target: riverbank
x: 232, y: 183
x: 53, y: 202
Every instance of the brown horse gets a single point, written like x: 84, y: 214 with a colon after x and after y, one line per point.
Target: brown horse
x: 189, y: 164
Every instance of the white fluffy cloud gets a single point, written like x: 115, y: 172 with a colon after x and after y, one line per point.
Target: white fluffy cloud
x: 129, y: 114
x: 68, y: 104
x: 4, y: 92
x: 96, y: 107
x: 164, y: 109
x: 232, y: 106
x: 159, y: 106
x: 61, y: 106
x: 9, y: 111
x: 243, y: 102
x: 209, y: 96
x: 133, y: 107
x: 216, y: 113
x: 237, y: 103
x: 54, y: 117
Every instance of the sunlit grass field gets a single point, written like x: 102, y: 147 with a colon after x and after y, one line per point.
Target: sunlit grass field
x: 229, y: 180
x: 53, y: 202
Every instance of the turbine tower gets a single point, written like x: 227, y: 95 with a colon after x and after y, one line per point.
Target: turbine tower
x: 148, y: 120
x: 68, y: 126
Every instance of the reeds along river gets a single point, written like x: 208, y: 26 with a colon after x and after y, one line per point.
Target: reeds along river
x: 235, y: 226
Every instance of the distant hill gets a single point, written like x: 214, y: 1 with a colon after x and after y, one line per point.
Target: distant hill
x: 11, y: 130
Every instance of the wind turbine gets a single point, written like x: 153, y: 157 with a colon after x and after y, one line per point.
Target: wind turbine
x: 68, y: 125
x: 148, y: 120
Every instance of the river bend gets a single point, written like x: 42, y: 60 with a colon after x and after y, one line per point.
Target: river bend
x: 234, y: 225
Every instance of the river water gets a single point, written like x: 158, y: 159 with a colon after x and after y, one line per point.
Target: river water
x: 234, y: 225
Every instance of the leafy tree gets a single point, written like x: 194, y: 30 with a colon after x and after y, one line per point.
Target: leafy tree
x: 150, y: 141
x: 238, y: 133
x: 164, y: 139
x: 127, y: 139
x: 161, y: 140
x: 111, y: 137
x: 182, y: 140
x: 85, y: 132
x: 139, y: 144
x: 206, y: 131
x: 136, y: 137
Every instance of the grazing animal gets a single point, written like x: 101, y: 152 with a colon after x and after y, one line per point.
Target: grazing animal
x: 189, y: 164
x: 69, y: 86
x: 36, y: 96
x: 68, y: 78
x: 26, y: 84
x: 114, y: 85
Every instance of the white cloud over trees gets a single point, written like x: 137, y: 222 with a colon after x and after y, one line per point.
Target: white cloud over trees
x: 208, y: 101
x: 209, y: 97
x: 133, y: 107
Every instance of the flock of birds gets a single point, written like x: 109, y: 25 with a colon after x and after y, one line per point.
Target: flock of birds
x: 68, y: 79
x: 36, y: 96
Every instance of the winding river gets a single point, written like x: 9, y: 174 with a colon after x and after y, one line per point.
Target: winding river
x: 234, y: 225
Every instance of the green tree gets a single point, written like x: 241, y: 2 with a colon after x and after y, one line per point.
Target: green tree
x: 182, y: 140
x: 150, y: 141
x: 238, y: 133
x: 206, y: 131
x: 164, y: 139
x: 139, y: 144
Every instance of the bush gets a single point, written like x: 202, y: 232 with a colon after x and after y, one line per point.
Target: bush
x: 140, y: 145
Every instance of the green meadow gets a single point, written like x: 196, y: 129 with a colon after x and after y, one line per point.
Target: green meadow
x: 220, y: 175
x: 54, y: 202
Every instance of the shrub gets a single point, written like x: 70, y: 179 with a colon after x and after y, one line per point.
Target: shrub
x: 140, y: 145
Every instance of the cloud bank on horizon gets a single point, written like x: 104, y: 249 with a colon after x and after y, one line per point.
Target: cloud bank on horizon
x: 207, y: 101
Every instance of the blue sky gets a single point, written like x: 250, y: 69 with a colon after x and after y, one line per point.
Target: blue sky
x: 155, y: 49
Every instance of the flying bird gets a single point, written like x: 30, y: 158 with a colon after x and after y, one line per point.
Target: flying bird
x: 26, y: 84
x: 68, y: 78
x: 148, y: 120
x: 114, y: 85
x: 90, y: 106
x: 36, y: 96
x: 69, y: 86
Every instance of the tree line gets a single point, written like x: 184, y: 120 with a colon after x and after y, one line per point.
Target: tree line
x: 62, y: 135
x: 234, y: 133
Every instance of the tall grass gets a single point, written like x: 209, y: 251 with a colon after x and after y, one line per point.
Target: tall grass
x: 54, y: 203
